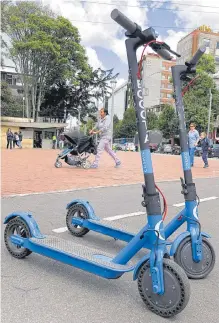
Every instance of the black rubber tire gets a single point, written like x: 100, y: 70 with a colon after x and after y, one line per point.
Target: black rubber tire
x: 199, y: 271
x: 83, y: 214
x: 13, y: 224
x: 151, y: 299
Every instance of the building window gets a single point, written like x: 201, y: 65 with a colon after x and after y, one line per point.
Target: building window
x: 9, y: 79
x: 217, y: 45
x: 163, y: 95
x: 206, y: 42
x: 146, y: 91
x: 217, y: 59
x: 169, y: 96
x: 170, y: 86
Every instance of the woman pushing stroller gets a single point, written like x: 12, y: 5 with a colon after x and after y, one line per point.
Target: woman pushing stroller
x: 103, y: 128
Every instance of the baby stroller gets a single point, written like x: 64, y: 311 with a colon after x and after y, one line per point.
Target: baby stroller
x: 80, y: 148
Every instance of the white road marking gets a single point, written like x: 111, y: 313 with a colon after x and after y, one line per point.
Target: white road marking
x: 201, y: 200
x: 122, y: 216
x: 60, y: 230
x: 111, y: 218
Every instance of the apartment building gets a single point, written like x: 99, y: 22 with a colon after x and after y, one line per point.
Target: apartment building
x: 157, y: 88
x: 188, y: 45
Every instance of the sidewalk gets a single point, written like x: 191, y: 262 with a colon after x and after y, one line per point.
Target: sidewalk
x: 32, y: 170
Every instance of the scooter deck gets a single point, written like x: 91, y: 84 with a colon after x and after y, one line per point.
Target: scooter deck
x: 86, y: 258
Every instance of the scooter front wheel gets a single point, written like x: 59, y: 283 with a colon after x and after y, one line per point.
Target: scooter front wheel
x: 16, y: 226
x: 195, y: 270
x: 176, y: 289
x: 79, y: 211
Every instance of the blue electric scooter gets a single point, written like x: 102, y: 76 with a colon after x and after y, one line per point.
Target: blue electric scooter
x: 162, y: 284
x: 191, y: 249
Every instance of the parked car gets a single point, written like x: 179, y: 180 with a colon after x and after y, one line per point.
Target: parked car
x: 214, y: 152
x: 130, y: 146
x: 176, y: 150
x: 117, y: 147
x: 198, y: 151
x: 167, y: 149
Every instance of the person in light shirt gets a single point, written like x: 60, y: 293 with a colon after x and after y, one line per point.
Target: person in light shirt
x: 103, y: 128
x: 193, y: 142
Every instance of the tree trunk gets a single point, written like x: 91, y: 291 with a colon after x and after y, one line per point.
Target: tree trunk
x: 38, y: 103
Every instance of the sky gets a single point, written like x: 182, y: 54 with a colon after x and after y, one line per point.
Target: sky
x: 103, y: 39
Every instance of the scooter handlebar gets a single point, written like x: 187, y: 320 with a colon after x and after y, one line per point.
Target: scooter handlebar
x: 123, y: 21
x: 197, y: 56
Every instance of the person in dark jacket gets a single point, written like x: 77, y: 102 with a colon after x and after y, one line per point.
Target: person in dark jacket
x: 136, y: 141
x: 20, y: 134
x: 10, y: 137
x: 205, y: 144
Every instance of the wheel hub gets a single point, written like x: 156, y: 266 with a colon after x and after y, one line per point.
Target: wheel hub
x: 195, y: 267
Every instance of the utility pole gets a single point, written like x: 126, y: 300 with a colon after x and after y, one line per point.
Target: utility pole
x: 113, y: 86
x: 209, y: 113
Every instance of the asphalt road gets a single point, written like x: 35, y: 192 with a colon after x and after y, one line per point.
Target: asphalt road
x: 38, y: 289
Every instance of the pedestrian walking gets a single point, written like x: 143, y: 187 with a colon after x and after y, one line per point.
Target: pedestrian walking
x: 54, y: 142
x: 20, y: 134
x: 136, y: 141
x: 103, y: 128
x: 16, y: 139
x: 193, y: 137
x: 10, y: 136
x: 205, y: 144
x: 61, y: 140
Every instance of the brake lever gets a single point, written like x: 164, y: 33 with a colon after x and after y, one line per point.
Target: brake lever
x: 170, y: 50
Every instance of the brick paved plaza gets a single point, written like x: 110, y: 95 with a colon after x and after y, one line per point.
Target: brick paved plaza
x: 27, y: 171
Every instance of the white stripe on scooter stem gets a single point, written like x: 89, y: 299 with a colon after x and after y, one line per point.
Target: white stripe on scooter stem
x: 201, y: 200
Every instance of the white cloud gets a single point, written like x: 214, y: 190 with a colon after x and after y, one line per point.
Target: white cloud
x: 93, y: 58
x: 193, y: 15
x: 102, y: 34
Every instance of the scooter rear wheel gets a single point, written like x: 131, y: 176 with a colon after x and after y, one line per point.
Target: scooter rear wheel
x: 176, y: 289
x: 195, y: 270
x: 16, y: 226
x: 80, y: 211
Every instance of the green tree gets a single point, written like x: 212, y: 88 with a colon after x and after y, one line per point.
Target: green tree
x: 197, y: 98
x: 10, y: 106
x: 168, y: 122
x: 128, y: 127
x: 152, y: 120
x: 42, y: 47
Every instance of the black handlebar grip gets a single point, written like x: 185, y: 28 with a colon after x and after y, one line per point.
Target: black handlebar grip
x: 163, y: 53
x: 123, y: 21
x: 197, y: 55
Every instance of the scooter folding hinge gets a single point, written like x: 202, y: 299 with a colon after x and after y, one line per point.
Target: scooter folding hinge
x: 184, y: 187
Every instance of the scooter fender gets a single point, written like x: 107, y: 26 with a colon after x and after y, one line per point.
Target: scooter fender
x: 87, y: 205
x: 180, y: 238
x: 139, y: 264
x: 30, y: 222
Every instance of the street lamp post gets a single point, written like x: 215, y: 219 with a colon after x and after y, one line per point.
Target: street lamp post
x: 113, y: 86
x: 23, y: 105
x: 209, y: 113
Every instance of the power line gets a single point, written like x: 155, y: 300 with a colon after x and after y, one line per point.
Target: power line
x: 112, y: 23
x: 143, y: 6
